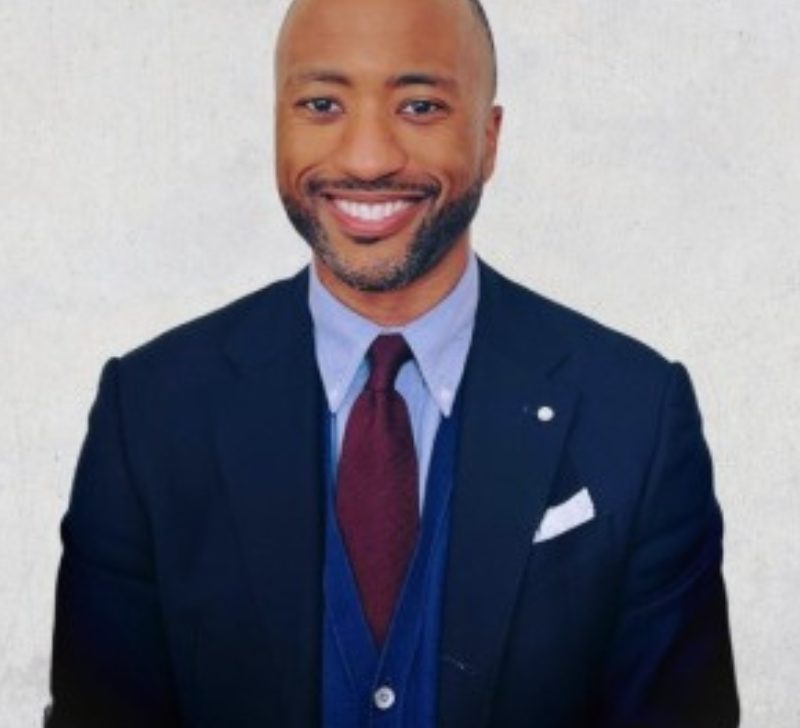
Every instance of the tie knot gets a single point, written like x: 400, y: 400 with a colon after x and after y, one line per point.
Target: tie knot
x: 386, y: 355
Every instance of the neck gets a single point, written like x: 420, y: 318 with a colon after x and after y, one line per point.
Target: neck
x: 399, y: 307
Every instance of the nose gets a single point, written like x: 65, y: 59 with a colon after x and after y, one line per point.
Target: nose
x: 368, y: 148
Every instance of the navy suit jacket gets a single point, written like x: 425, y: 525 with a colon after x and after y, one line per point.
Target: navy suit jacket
x: 189, y: 591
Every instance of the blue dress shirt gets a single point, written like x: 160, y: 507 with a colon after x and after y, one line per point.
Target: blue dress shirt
x: 439, y: 340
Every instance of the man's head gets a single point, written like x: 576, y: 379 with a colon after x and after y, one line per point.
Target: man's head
x: 386, y: 131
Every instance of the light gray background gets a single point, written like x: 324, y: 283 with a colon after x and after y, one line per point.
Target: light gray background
x: 649, y: 175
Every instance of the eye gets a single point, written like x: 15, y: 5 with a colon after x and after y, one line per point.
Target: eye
x: 321, y: 106
x: 421, y: 108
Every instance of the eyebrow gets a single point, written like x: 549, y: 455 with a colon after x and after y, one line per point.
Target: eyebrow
x: 423, y: 79
x: 321, y: 76
x: 400, y: 80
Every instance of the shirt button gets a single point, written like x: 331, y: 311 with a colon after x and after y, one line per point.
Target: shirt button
x: 384, y: 698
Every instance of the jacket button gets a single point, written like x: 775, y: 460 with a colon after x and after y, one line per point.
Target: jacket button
x: 384, y: 698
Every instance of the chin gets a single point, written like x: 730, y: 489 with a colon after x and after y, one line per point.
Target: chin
x: 371, y: 276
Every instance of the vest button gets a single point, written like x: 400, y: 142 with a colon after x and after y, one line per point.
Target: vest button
x: 384, y: 698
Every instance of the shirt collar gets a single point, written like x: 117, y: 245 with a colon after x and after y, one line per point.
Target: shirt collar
x: 439, y: 339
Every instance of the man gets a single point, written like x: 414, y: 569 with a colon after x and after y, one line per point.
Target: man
x: 396, y: 489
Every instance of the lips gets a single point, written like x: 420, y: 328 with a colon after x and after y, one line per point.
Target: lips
x: 372, y: 216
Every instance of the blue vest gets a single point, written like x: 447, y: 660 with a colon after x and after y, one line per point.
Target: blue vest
x: 395, y: 687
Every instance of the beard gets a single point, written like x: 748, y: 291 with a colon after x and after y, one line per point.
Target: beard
x: 435, y: 237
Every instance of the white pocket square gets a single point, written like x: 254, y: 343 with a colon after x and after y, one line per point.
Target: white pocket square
x: 565, y: 516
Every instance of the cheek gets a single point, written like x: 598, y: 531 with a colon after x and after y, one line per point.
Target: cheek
x: 300, y: 148
x: 450, y: 154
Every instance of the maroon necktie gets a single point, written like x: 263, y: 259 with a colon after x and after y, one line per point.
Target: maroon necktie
x: 376, y: 493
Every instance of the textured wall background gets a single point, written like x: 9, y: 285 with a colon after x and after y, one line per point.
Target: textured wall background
x: 649, y: 176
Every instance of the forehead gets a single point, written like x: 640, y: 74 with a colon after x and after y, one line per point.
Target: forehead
x: 381, y: 37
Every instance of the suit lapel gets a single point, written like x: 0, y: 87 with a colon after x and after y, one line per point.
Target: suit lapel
x: 268, y: 442
x: 508, y: 458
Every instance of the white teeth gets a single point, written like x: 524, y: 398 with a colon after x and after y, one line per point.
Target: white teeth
x: 370, y: 213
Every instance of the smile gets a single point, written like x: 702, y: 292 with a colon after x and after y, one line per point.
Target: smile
x: 372, y: 217
x: 377, y: 212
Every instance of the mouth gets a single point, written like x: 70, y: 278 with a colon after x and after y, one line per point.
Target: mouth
x: 370, y: 217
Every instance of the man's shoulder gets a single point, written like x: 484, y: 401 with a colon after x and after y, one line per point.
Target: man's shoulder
x: 623, y: 382
x: 585, y: 338
x: 203, y: 341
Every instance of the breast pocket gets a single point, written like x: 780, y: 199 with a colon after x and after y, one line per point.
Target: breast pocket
x: 584, y: 551
x: 570, y: 587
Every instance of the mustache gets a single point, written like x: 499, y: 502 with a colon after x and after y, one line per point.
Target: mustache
x: 322, y: 186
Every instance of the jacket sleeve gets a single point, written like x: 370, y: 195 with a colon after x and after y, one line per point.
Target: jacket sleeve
x: 671, y: 662
x: 110, y: 665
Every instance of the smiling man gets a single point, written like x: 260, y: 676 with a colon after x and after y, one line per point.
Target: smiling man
x: 397, y: 489
x: 386, y: 133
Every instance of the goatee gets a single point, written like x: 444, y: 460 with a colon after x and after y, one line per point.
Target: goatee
x: 435, y: 237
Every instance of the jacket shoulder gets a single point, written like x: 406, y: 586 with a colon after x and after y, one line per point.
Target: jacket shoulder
x: 586, y: 338
x: 202, y: 340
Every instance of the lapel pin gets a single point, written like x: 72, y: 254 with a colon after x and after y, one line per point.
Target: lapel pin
x: 545, y: 414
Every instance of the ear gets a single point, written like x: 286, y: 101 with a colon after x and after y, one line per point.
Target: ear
x: 494, y: 122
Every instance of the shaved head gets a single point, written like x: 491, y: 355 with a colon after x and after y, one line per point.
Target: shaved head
x: 478, y: 12
x: 386, y: 132
x: 483, y: 21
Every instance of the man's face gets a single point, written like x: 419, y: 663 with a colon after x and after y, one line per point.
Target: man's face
x: 385, y: 133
